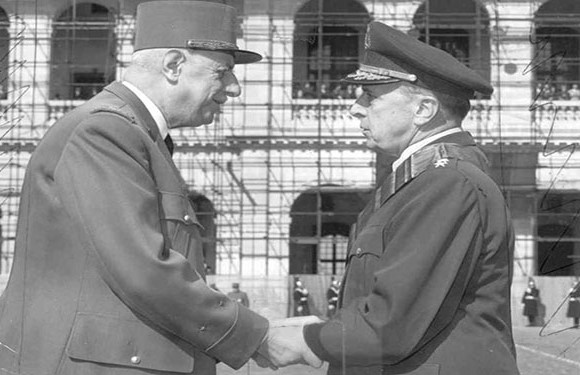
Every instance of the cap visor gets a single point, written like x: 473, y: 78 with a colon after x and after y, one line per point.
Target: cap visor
x: 246, y: 57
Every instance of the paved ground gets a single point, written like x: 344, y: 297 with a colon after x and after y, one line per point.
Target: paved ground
x: 552, y: 353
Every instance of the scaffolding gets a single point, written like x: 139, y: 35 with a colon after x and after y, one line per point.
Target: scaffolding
x: 281, y: 160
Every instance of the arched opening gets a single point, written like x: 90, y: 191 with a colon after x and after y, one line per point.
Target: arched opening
x: 4, y: 53
x: 83, y: 52
x: 205, y: 213
x: 558, y: 220
x: 557, y: 51
x: 319, y: 237
x: 327, y: 43
x: 459, y: 27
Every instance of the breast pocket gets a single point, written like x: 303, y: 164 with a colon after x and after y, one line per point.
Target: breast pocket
x: 363, y: 260
x: 180, y: 222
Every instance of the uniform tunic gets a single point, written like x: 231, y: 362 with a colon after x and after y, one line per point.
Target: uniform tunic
x: 332, y: 298
x: 108, y: 273
x: 301, y: 307
x: 530, y: 301
x: 429, y: 267
x: 574, y: 303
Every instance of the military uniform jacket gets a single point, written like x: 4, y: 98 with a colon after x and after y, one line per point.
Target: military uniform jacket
x: 530, y: 300
x: 574, y: 303
x: 427, y: 286
x: 108, y: 269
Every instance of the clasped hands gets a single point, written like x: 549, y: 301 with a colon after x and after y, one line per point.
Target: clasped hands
x: 284, y: 344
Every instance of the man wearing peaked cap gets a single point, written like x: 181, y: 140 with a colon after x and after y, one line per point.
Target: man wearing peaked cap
x: 108, y: 275
x: 429, y: 266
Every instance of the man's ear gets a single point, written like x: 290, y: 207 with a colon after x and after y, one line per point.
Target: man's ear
x: 172, y: 64
x: 426, y: 110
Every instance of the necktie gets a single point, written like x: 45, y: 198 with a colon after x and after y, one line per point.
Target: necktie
x: 169, y: 144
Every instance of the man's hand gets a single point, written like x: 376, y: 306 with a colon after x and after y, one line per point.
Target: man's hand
x: 284, y: 344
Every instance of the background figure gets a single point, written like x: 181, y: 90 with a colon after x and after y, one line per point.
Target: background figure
x: 300, y: 295
x: 332, y: 297
x: 239, y: 296
x: 530, y: 299
x: 574, y: 304
x: 574, y: 92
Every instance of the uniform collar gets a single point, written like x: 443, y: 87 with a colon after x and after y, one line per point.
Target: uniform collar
x: 152, y: 108
x: 419, y: 145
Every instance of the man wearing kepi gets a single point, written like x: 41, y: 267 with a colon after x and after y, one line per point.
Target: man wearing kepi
x: 427, y: 284
x: 108, y: 276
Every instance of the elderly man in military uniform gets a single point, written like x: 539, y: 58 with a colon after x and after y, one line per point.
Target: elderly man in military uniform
x: 429, y: 266
x: 108, y: 276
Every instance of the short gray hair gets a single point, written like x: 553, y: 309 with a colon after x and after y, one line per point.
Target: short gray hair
x: 452, y: 105
x: 149, y: 59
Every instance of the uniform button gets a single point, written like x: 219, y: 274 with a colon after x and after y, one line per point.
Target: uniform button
x: 202, y: 328
x: 135, y: 360
x: 187, y: 218
x: 358, y: 251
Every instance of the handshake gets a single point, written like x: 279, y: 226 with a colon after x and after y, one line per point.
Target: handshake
x: 284, y: 344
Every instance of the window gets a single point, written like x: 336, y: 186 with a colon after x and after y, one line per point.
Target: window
x: 327, y: 45
x: 460, y: 28
x: 556, y: 61
x: 319, y: 237
x: 83, y: 53
x: 332, y: 254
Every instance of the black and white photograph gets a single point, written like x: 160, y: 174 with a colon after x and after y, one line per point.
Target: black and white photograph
x: 291, y: 187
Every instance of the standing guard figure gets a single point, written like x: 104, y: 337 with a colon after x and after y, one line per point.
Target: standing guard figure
x: 530, y: 301
x: 332, y: 297
x: 574, y: 304
x: 301, y: 307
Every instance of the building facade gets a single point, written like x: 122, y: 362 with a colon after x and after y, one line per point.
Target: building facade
x: 283, y: 172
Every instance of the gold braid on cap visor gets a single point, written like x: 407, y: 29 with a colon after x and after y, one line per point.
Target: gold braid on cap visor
x: 373, y: 73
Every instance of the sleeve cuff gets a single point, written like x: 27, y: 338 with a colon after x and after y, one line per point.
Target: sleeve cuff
x: 242, y: 340
x: 312, y: 337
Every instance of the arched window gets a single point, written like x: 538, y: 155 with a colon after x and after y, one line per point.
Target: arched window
x: 556, y: 62
x: 327, y: 45
x: 459, y: 27
x: 319, y: 237
x: 83, y: 53
x: 4, y: 53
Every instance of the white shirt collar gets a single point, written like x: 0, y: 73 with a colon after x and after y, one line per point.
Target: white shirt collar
x: 152, y: 108
x: 419, y: 145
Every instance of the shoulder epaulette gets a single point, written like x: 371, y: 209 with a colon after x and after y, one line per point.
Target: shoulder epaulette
x: 125, y: 113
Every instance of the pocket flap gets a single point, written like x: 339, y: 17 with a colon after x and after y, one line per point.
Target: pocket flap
x: 368, y: 242
x: 177, y: 207
x: 110, y: 340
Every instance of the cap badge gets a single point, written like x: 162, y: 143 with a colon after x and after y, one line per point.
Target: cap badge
x: 441, y: 163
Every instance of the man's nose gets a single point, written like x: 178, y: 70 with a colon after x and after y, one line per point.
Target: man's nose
x: 357, y: 110
x: 233, y: 88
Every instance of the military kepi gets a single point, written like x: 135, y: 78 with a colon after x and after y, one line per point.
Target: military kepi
x: 190, y: 24
x: 393, y: 56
